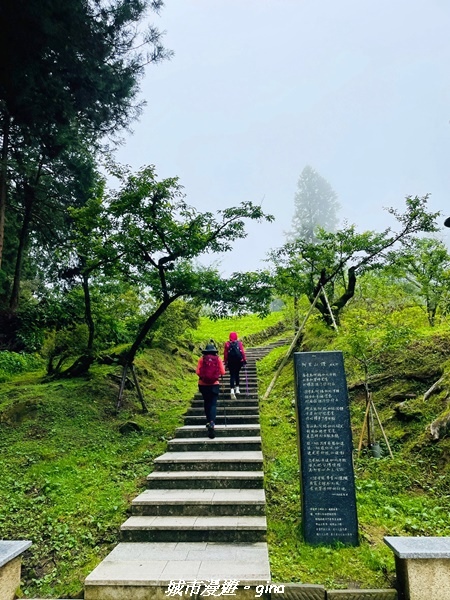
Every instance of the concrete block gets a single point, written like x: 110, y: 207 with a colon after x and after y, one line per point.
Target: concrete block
x: 423, y: 567
x: 299, y: 591
x: 10, y: 579
x: 387, y: 594
x: 10, y: 566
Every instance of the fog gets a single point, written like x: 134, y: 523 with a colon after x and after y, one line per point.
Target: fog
x: 258, y: 89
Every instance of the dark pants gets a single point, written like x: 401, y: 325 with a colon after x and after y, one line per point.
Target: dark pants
x: 234, y: 373
x: 210, y: 395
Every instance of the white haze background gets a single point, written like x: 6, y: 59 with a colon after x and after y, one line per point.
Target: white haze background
x: 258, y: 89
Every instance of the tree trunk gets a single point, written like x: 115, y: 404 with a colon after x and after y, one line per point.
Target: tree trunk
x: 321, y: 303
x: 296, y: 319
x: 88, y: 313
x: 431, y: 312
x: 83, y: 363
x: 349, y: 292
x: 323, y: 309
x: 79, y: 368
x: 3, y: 176
x: 339, y: 304
x: 130, y: 356
x: 28, y: 207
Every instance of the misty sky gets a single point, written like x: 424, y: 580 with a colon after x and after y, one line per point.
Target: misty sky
x: 258, y: 89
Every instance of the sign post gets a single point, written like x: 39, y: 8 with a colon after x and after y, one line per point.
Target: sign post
x: 325, y: 449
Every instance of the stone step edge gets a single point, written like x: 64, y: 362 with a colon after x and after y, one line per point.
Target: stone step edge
x: 347, y: 594
x: 221, y: 437
x: 255, y: 439
x: 250, y: 400
x: 195, y: 523
x: 204, y: 455
x: 205, y: 560
x: 144, y: 500
x: 214, y: 457
x: 205, y: 475
x: 236, y: 426
x: 246, y: 410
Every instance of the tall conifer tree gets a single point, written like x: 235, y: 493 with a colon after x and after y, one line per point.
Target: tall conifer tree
x: 316, y: 205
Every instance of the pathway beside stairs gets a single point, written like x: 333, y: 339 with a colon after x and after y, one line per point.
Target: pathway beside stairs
x: 202, y: 517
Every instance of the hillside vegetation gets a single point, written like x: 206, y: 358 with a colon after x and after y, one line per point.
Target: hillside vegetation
x: 399, y: 357
x: 67, y: 473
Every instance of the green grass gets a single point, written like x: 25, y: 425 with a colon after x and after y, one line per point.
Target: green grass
x: 67, y: 475
x: 407, y: 495
x: 220, y: 330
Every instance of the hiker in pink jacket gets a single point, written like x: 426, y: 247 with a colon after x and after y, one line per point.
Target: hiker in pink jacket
x: 234, y: 358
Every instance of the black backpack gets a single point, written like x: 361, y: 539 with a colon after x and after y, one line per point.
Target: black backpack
x: 234, y: 353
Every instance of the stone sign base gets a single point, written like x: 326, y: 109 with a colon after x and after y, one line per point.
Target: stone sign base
x: 423, y: 567
x: 421, y: 578
x: 10, y: 579
x: 10, y: 566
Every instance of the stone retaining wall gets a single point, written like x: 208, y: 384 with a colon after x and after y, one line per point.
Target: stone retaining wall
x: 256, y: 339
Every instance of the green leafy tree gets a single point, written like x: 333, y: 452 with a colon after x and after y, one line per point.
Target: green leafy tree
x: 160, y: 237
x: 316, y: 206
x: 333, y: 262
x: 147, y: 235
x: 69, y: 67
x: 43, y: 189
x: 89, y: 251
x: 371, y: 335
x: 425, y: 264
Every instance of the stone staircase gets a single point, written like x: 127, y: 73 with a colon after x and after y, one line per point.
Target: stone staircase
x: 202, y: 518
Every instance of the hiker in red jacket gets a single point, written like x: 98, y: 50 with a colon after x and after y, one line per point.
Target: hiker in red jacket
x: 234, y: 358
x: 209, y: 368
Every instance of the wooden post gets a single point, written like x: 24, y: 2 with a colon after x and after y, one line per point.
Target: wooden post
x: 122, y: 387
x: 382, y: 430
x: 138, y: 389
x: 363, y: 427
x: 329, y: 308
x: 291, y: 347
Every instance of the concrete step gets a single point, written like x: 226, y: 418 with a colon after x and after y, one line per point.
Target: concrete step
x: 225, y: 395
x: 250, y: 384
x: 209, y: 461
x: 202, y: 516
x: 232, y: 444
x: 222, y: 419
x: 205, y: 479
x: 229, y: 529
x: 228, y: 403
x: 199, y: 502
x: 251, y: 377
x: 144, y: 570
x: 237, y: 410
x: 199, y: 431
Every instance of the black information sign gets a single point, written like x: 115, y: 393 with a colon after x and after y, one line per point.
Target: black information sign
x: 325, y: 449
